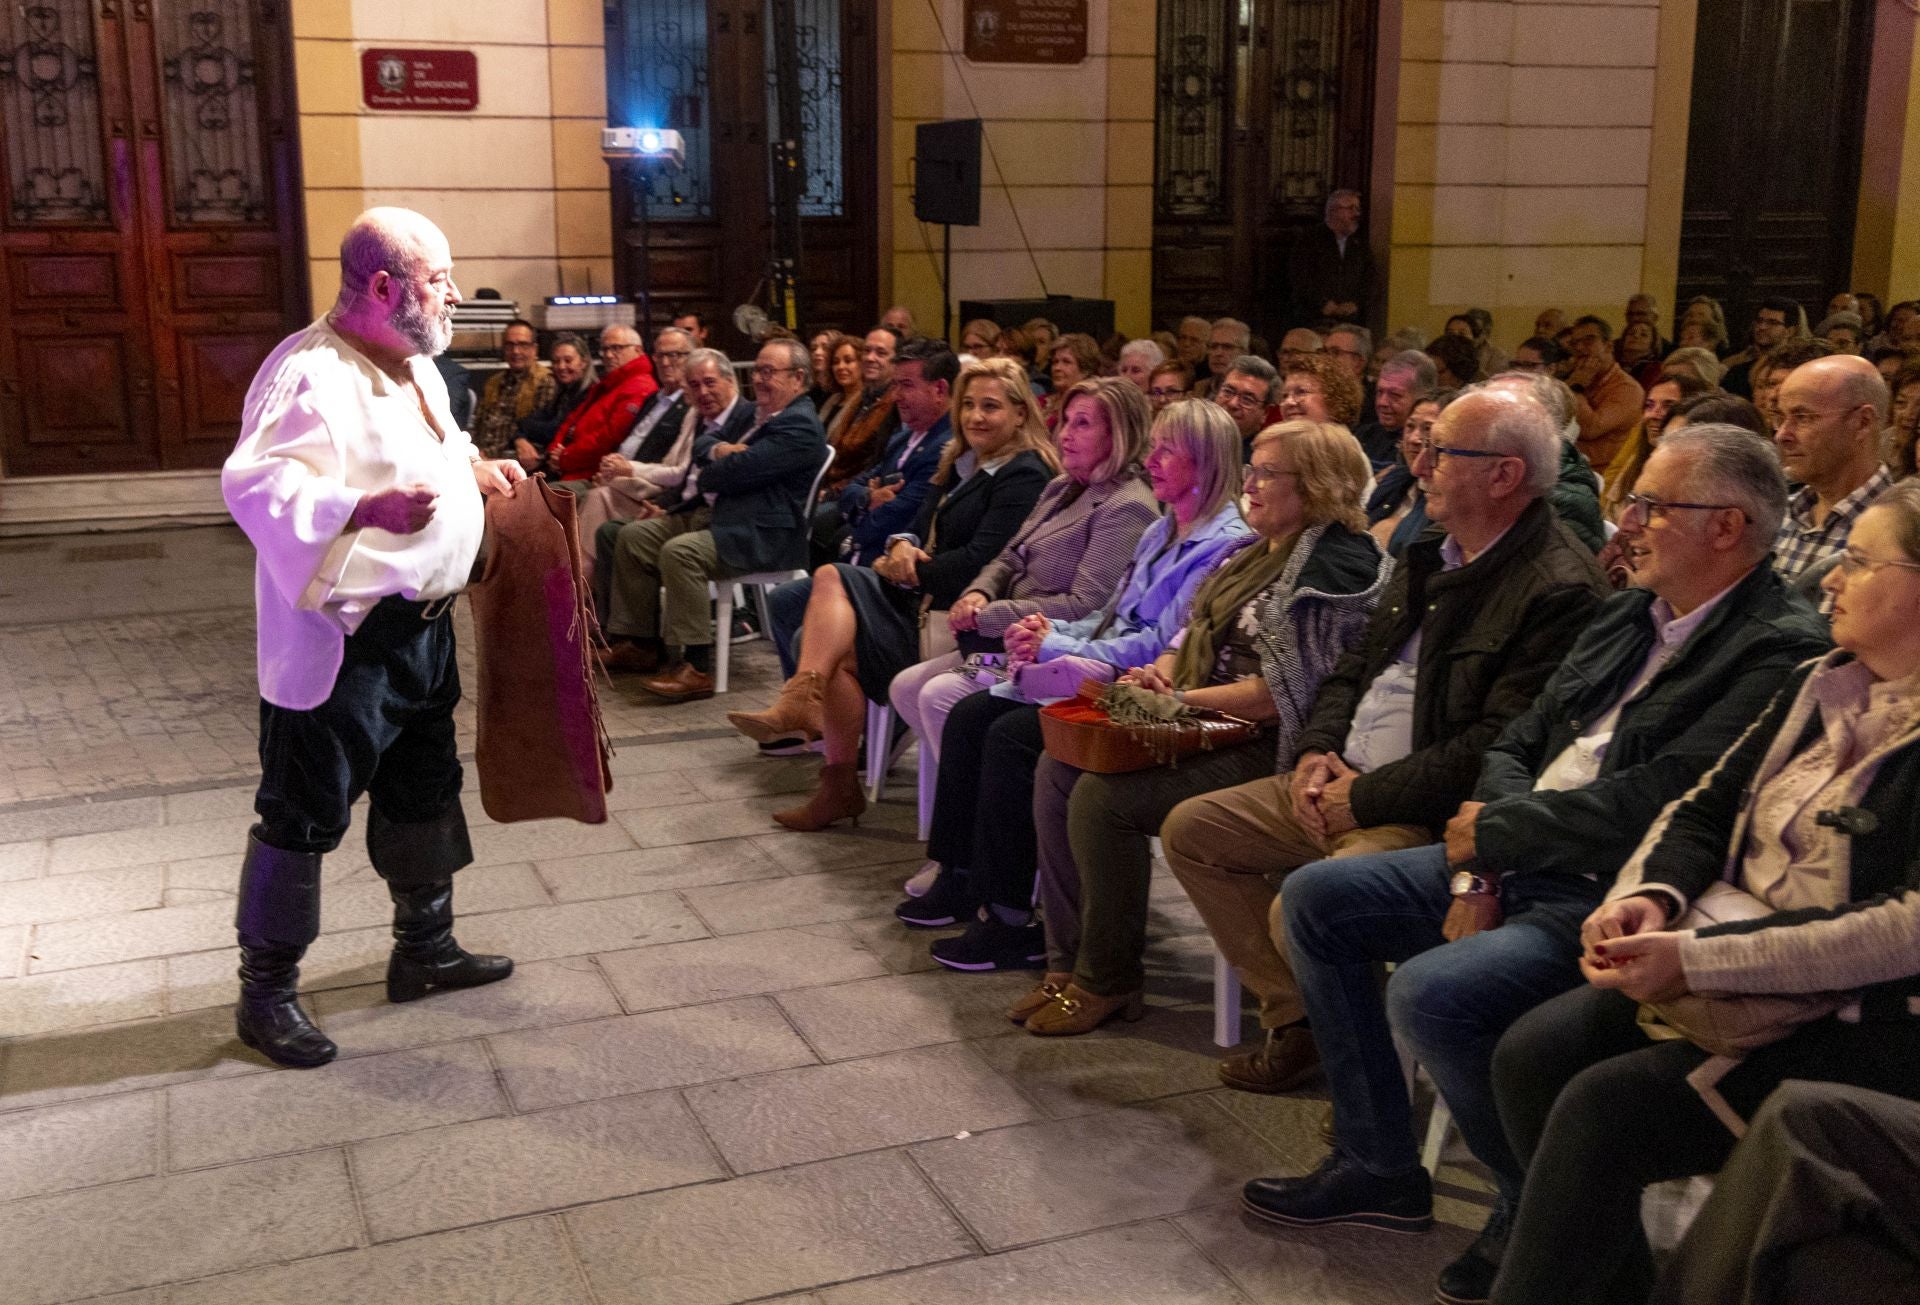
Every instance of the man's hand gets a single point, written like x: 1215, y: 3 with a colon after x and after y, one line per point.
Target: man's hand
x: 402, y: 511
x: 1310, y: 775
x: 1646, y: 966
x: 1335, y: 801
x: 882, y: 492
x: 612, y: 467
x: 1474, y: 913
x: 1586, y: 371
x: 1460, y: 833
x: 528, y: 455
x: 498, y: 475
x: 719, y: 451
x: 965, y: 612
x: 901, y: 564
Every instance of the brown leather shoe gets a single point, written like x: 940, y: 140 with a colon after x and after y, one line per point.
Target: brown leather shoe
x: 1287, y: 1059
x: 627, y: 657
x: 681, y: 684
x: 1049, y: 987
x: 1078, y: 1011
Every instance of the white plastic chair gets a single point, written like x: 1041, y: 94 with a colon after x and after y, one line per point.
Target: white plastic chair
x: 757, y: 583
x: 883, y: 754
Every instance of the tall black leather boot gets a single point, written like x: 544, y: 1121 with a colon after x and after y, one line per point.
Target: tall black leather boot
x: 277, y: 916
x: 425, y: 956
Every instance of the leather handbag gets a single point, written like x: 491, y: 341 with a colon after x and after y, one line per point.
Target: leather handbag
x: 1732, y: 1023
x: 542, y: 750
x: 1081, y: 733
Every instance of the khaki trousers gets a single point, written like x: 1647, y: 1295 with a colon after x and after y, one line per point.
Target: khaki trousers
x: 1230, y: 848
x: 641, y: 558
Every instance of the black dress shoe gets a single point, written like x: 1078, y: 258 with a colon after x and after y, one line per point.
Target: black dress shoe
x: 425, y: 957
x: 1340, y: 1191
x: 949, y: 901
x: 1469, y: 1279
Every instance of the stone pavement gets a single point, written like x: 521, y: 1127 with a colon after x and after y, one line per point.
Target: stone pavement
x: 721, y: 1073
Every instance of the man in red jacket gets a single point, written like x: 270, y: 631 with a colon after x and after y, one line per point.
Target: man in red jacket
x: 604, y: 417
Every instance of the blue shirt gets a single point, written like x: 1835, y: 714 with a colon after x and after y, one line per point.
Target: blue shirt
x: 1155, y: 594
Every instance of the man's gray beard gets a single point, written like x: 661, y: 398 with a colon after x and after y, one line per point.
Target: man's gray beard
x: 428, y: 335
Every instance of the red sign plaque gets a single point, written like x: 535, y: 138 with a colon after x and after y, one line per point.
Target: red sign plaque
x: 420, y: 81
x: 1026, y: 31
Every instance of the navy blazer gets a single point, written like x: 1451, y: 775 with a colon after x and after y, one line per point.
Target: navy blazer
x: 972, y: 521
x: 760, y: 512
x: 871, y: 530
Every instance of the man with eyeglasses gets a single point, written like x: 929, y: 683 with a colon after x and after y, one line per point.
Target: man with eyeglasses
x: 1832, y: 411
x: 1228, y: 339
x: 1772, y: 324
x: 1244, y: 391
x: 1405, y: 379
x: 742, y: 508
x: 509, y: 397
x: 1469, y: 629
x: 1486, y: 924
x: 657, y: 450
x: 607, y: 414
x: 1606, y: 401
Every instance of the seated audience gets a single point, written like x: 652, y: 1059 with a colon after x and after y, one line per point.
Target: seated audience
x: 1137, y: 360
x: 459, y: 383
x: 1772, y: 367
x: 1889, y: 360
x: 1576, y: 495
x: 1166, y: 384
x: 865, y: 624
x: 1246, y: 391
x: 1264, y: 631
x: 1192, y: 339
x: 982, y: 853
x: 1695, y: 362
x: 1872, y: 315
x: 1298, y: 343
x: 1227, y: 339
x: 1607, y: 401
x: 1638, y: 352
x: 1475, y: 326
x: 1817, y: 1202
x: 511, y: 396
x: 1075, y: 357
x: 1832, y: 411
x: 1352, y: 347
x: 1662, y: 395
x: 860, y: 434
x: 741, y: 508
x: 1642, y: 308
x: 1319, y: 388
x: 820, y: 357
x: 845, y: 388
x: 1703, y: 325
x: 1717, y: 407
x: 1772, y: 326
x: 1404, y: 379
x: 654, y: 457
x: 1814, y: 907
x: 980, y: 337
x: 1330, y: 268
x: 884, y: 504
x: 1397, y: 508
x: 1843, y: 331
x: 573, y: 378
x: 1538, y: 353
x: 694, y: 324
x: 1549, y: 323
x: 899, y: 320
x: 1485, y: 925
x: 1470, y: 628
x: 607, y: 414
x: 1456, y: 363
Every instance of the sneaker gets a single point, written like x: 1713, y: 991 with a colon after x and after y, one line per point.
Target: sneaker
x: 992, y: 944
x: 922, y: 880
x: 1469, y: 1279
x: 1341, y: 1191
x: 948, y: 901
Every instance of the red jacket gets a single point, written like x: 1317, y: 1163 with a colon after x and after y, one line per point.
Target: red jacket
x: 603, y: 419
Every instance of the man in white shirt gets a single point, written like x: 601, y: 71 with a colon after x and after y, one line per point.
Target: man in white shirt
x: 1486, y: 924
x: 363, y: 500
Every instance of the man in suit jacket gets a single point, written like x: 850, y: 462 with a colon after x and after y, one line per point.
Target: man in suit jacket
x: 1331, y: 267
x: 742, y: 508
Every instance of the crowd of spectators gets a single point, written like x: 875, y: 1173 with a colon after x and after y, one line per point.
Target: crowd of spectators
x: 1583, y: 675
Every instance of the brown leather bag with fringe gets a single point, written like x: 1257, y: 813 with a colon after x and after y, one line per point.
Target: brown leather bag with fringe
x: 542, y: 750
x: 1082, y: 732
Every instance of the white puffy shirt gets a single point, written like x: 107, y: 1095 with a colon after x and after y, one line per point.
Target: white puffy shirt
x: 322, y: 428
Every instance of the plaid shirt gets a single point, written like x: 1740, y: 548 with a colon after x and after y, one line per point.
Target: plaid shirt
x: 1801, y: 544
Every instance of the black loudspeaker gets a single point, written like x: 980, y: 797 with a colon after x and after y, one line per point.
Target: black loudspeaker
x: 946, y: 172
x: 1088, y: 316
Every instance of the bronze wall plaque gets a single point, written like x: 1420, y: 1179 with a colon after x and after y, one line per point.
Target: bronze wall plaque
x: 1026, y: 31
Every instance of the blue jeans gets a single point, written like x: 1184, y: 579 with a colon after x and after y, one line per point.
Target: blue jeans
x: 1449, y: 1002
x: 786, y: 609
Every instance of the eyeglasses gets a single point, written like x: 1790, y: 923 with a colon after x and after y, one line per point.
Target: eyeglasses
x: 617, y: 348
x: 668, y: 355
x: 1227, y: 394
x: 1439, y: 451
x: 1165, y: 392
x: 1852, y: 562
x: 1642, y: 508
x: 1522, y: 365
x: 767, y: 371
x: 1255, y: 475
x: 1345, y: 353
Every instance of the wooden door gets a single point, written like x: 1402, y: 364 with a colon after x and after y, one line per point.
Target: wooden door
x: 1263, y: 108
x: 1773, y: 152
x: 701, y: 67
x: 150, y: 244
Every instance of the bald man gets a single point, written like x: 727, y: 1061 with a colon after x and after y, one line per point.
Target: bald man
x: 363, y: 501
x: 1832, y: 411
x: 608, y: 413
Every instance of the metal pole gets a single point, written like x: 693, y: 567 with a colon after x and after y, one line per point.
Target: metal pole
x: 788, y: 164
x: 946, y: 283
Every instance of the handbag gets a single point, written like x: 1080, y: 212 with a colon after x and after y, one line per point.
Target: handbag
x: 1732, y: 1023
x: 1082, y: 733
x: 936, y: 636
x: 542, y: 748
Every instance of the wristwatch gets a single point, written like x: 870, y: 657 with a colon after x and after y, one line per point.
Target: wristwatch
x: 1466, y: 882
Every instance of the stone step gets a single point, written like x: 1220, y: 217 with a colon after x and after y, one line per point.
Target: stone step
x: 55, y: 505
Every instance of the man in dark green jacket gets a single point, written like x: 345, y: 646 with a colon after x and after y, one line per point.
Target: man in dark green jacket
x: 1486, y: 925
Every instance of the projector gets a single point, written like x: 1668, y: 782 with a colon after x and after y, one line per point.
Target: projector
x: 649, y: 143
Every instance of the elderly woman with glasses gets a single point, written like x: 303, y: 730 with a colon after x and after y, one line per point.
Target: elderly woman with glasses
x: 1768, y: 928
x: 1262, y: 633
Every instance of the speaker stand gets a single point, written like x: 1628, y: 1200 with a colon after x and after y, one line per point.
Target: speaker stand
x: 946, y: 283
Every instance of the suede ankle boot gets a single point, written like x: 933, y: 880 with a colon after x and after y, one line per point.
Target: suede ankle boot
x: 796, y: 712
x: 838, y: 797
x: 425, y: 956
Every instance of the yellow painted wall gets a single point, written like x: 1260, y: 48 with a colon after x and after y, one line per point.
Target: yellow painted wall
x: 1886, y: 247
x: 518, y: 185
x: 1068, y: 160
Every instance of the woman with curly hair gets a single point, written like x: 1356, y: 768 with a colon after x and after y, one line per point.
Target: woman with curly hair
x: 1316, y: 387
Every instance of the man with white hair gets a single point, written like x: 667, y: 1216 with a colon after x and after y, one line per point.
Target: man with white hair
x: 899, y: 320
x: 1469, y: 629
x: 1138, y: 358
x: 1832, y: 411
x: 1485, y: 924
x: 1331, y: 268
x: 363, y: 500
x: 1227, y: 339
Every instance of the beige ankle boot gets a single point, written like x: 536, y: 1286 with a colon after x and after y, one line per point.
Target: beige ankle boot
x: 838, y: 797
x: 796, y: 711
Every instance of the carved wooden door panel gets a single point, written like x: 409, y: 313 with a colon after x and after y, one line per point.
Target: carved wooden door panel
x: 150, y: 244
x: 701, y: 67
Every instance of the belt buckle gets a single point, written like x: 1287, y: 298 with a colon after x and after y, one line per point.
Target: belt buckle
x: 438, y: 608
